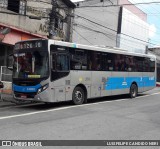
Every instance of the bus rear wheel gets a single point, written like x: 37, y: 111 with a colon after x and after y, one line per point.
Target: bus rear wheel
x: 78, y: 96
x: 133, y: 91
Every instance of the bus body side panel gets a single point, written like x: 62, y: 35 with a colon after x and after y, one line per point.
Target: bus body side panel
x: 99, y: 86
x: 137, y: 78
x: 79, y: 77
x: 59, y: 89
x: 149, y: 79
x: 45, y: 95
x: 119, y: 83
x: 106, y: 87
x: 96, y: 84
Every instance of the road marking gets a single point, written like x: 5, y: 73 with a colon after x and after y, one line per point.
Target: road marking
x: 64, y: 108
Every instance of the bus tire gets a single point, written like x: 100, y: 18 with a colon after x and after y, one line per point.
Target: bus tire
x: 133, y: 91
x: 78, y: 96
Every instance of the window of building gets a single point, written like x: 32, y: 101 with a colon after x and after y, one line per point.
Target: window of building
x: 22, y: 7
x: 13, y: 5
x: 4, y: 3
x: 18, y: 6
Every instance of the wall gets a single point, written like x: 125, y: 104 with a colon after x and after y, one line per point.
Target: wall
x: 85, y: 32
x: 137, y: 31
x: 36, y: 9
x: 135, y: 10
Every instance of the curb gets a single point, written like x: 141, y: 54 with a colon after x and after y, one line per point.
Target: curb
x: 5, y: 103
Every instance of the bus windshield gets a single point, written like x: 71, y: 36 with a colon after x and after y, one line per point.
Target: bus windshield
x: 32, y: 64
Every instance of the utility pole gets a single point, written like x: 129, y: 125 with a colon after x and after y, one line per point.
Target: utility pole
x: 52, y: 16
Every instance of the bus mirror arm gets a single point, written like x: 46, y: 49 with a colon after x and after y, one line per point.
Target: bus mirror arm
x: 10, y: 68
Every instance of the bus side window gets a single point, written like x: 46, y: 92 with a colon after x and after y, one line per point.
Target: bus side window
x: 146, y: 64
x: 130, y: 63
x: 105, y: 61
x: 152, y: 65
x: 53, y: 62
x: 111, y: 62
x: 117, y: 62
x: 95, y: 60
x: 139, y: 64
x: 78, y: 59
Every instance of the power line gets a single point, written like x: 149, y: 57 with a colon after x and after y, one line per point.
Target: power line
x: 114, y: 30
x: 125, y: 19
x: 143, y: 3
x: 83, y: 37
x: 95, y: 22
x: 113, y: 5
x: 110, y: 36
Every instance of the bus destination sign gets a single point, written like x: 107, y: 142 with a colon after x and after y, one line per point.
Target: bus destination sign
x: 28, y: 45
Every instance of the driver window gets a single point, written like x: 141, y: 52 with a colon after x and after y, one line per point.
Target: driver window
x: 62, y: 62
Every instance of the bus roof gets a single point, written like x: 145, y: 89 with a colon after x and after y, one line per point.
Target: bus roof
x: 99, y: 48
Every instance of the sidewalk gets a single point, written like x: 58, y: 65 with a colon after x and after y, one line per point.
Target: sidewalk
x: 6, y: 100
x: 6, y: 103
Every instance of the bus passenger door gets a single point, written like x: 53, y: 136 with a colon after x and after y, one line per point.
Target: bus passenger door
x: 59, y: 75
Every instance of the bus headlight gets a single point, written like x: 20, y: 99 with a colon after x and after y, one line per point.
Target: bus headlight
x: 42, y: 88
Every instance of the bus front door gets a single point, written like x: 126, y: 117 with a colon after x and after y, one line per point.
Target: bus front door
x: 59, y: 74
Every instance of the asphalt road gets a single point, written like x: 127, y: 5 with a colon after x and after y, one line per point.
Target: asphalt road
x: 110, y: 118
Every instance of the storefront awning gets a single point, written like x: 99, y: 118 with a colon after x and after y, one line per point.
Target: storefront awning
x: 11, y: 35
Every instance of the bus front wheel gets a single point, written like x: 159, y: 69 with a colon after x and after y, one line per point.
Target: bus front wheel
x: 133, y: 91
x: 78, y: 96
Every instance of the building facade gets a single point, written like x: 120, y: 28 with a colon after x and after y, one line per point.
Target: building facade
x: 95, y: 24
x: 25, y: 19
x: 115, y: 23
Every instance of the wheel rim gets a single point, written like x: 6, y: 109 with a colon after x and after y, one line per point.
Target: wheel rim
x: 78, y: 96
x: 133, y: 91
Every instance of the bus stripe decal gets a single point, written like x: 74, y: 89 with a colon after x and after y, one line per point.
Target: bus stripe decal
x: 125, y: 82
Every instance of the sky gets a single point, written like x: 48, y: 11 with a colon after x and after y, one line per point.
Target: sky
x: 153, y: 19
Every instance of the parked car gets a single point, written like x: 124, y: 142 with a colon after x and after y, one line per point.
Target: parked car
x: 1, y: 84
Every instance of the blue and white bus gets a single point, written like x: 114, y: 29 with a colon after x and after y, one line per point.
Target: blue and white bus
x: 53, y: 71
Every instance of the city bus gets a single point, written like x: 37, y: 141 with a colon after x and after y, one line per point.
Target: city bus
x: 46, y: 70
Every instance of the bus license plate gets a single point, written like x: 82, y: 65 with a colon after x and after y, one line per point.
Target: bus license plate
x: 23, y: 96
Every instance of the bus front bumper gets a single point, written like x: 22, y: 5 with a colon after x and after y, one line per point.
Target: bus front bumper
x: 41, y: 97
